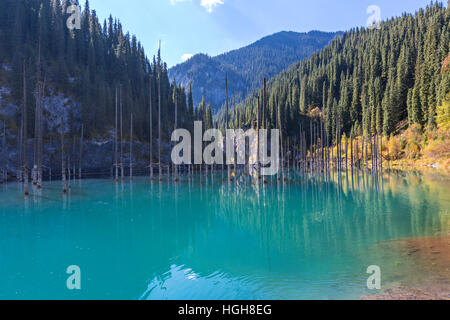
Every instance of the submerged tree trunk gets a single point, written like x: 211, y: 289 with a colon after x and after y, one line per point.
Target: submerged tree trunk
x: 131, y: 147
x: 122, y: 173
x: 41, y: 136
x: 151, y: 128
x: 381, y: 152
x: 258, y: 172
x: 116, y: 142
x: 175, y: 128
x: 81, y: 152
x: 63, y: 165
x: 351, y: 151
x: 362, y: 150
x: 19, y: 147
x: 25, y: 130
x: 346, y: 153
x: 281, y: 137
x: 159, y: 124
x: 227, y: 120
x: 5, y: 173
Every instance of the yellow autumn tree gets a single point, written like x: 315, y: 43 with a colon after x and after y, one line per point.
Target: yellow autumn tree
x: 443, y: 114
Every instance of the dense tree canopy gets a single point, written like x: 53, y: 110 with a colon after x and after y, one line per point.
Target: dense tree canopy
x: 374, y: 81
x: 87, y: 64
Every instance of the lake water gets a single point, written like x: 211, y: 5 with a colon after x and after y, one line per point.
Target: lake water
x: 308, y: 238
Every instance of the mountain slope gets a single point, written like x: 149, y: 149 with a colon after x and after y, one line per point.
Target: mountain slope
x: 246, y: 67
x: 367, y: 81
x: 88, y: 65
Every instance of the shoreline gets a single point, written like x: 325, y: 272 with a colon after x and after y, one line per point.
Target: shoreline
x: 426, y: 265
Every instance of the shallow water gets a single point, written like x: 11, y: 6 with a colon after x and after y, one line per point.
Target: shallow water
x: 303, y: 239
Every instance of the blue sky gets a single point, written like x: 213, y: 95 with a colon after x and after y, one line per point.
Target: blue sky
x: 215, y: 26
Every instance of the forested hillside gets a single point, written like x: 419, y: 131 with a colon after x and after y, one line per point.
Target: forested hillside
x: 86, y: 65
x: 246, y: 66
x: 372, y: 81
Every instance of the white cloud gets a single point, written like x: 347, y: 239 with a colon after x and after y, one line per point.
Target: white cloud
x: 210, y: 4
x: 186, y: 56
x: 173, y: 2
x: 207, y: 4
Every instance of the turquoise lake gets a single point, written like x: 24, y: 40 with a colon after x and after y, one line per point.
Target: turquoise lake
x: 308, y: 238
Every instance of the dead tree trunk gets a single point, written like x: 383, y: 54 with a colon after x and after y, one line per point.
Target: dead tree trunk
x: 131, y: 147
x: 263, y: 118
x: 63, y: 165
x: 5, y: 173
x: 122, y: 173
x: 367, y: 156
x: 25, y: 131
x: 80, y: 164
x: 227, y: 120
x: 281, y: 137
x: 159, y: 124
x: 322, y: 157
x: 175, y: 128
x: 362, y: 150
x: 151, y: 127
x: 337, y: 144
x: 346, y: 153
x: 351, y: 151
x: 116, y: 141
x: 68, y: 172
x: 41, y: 136
x: 20, y: 150
x: 357, y: 153
x: 381, y: 152
x: 310, y: 145
x: 257, y: 141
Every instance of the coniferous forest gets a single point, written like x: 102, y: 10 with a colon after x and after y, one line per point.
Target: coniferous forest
x: 367, y: 82
x: 88, y: 64
x: 246, y: 66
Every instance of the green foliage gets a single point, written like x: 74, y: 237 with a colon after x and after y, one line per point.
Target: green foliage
x: 372, y: 80
x: 87, y: 65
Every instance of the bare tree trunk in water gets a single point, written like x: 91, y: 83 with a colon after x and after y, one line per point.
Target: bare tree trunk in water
x: 357, y: 153
x: 122, y: 173
x: 81, y: 151
x: 25, y: 131
x: 281, y: 137
x: 131, y: 147
x: 41, y: 137
x: 68, y: 172
x: 346, y: 153
x: 226, y: 116
x: 175, y: 128
x: 159, y: 124
x: 351, y: 151
x: 151, y: 128
x: 381, y: 151
x: 19, y: 147
x: 63, y: 165
x: 116, y: 142
x: 362, y: 149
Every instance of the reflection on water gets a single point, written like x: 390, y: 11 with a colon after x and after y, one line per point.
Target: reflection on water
x: 308, y: 238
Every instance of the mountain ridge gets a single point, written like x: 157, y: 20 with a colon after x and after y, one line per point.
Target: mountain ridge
x: 247, y: 66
